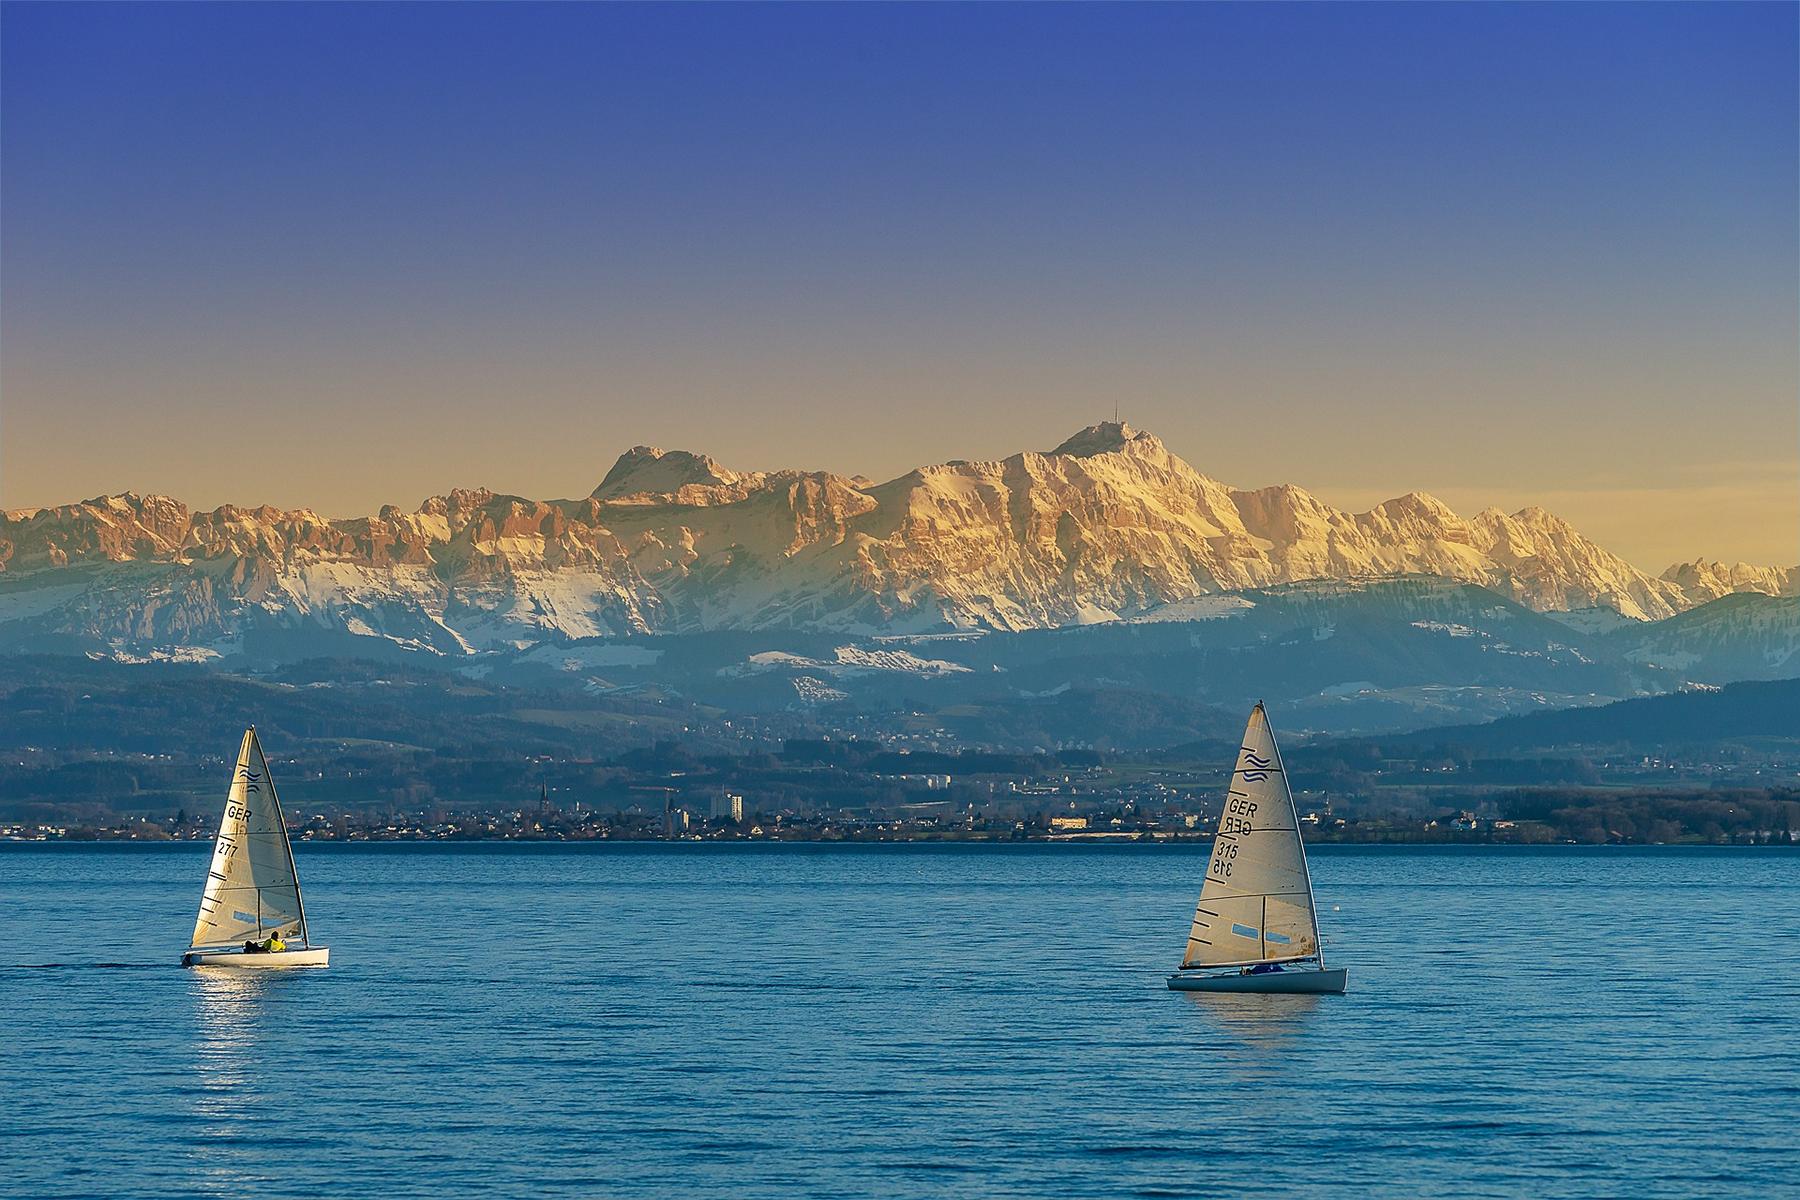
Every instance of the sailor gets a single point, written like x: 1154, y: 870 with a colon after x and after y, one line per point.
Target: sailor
x: 274, y: 943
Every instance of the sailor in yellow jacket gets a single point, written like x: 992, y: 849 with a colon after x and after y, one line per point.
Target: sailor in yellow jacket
x: 274, y: 943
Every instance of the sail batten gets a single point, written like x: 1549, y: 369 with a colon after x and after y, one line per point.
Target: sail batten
x: 252, y: 888
x: 1256, y: 905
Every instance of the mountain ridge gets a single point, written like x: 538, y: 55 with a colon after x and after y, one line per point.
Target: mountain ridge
x: 1109, y: 524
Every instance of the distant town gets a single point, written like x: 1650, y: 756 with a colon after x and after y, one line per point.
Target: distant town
x: 828, y: 791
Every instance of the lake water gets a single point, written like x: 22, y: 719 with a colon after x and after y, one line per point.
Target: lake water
x: 768, y: 1020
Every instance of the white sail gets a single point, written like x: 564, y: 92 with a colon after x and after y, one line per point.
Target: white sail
x: 1257, y: 903
x: 252, y: 890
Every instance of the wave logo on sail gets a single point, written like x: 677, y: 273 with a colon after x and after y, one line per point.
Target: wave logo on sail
x: 1258, y: 766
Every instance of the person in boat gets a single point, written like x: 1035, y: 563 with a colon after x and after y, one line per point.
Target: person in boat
x: 1264, y: 969
x: 274, y: 945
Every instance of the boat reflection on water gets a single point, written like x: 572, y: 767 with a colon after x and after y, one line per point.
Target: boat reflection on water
x: 237, y: 1050
x: 228, y: 1019
x: 1255, y: 1028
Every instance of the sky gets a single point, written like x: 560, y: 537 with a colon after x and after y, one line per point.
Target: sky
x: 344, y: 255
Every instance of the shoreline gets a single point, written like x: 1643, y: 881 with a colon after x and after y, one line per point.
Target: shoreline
x: 1099, y: 840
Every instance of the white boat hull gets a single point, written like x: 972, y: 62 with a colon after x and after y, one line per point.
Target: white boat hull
x: 315, y: 956
x: 1330, y: 982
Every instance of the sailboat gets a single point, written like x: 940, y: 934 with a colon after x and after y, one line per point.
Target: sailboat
x: 252, y: 889
x: 1255, y: 928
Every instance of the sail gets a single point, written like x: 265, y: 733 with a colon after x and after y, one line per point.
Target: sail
x: 252, y: 890
x: 1257, y: 904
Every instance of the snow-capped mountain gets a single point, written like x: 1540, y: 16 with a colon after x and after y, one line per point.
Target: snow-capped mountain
x: 1701, y: 580
x: 1108, y: 525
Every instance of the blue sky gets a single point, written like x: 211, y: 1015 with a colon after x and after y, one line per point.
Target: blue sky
x: 344, y: 255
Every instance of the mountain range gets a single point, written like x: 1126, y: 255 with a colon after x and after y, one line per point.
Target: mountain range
x: 1108, y: 526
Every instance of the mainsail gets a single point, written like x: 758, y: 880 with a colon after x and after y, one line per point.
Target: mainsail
x: 251, y: 887
x: 1257, y: 904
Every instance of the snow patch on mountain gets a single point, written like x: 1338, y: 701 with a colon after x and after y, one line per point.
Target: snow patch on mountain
x: 857, y: 658
x: 1200, y: 608
x: 847, y: 661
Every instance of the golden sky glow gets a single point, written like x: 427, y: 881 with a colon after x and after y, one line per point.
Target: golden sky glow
x: 1364, y: 250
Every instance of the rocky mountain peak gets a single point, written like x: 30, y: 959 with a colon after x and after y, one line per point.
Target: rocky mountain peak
x: 649, y: 470
x: 1417, y: 505
x: 1533, y: 514
x: 1108, y: 437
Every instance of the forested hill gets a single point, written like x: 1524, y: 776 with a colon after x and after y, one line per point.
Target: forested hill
x: 1654, y: 723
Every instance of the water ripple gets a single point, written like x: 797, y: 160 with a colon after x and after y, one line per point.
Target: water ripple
x: 768, y: 1021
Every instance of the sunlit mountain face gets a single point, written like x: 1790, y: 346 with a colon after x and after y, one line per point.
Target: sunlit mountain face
x: 1109, y: 526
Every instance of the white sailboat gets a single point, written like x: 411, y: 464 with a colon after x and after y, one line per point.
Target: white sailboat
x: 252, y: 889
x: 1255, y: 928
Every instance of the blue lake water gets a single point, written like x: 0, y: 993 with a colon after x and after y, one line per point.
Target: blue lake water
x: 767, y: 1020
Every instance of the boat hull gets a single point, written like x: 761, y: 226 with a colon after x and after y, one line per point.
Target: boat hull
x: 1331, y: 982
x: 274, y: 960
